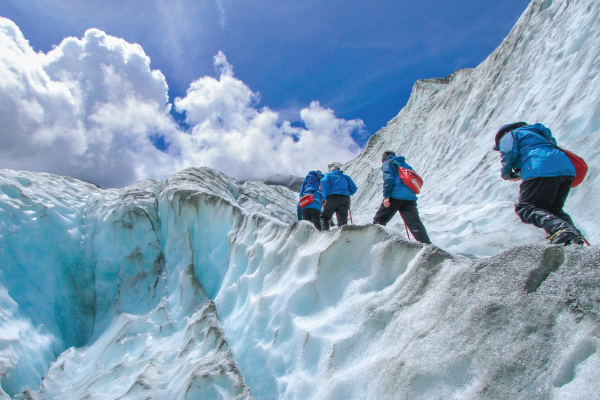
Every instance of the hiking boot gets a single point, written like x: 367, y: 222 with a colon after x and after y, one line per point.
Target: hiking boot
x: 565, y: 236
x: 579, y: 240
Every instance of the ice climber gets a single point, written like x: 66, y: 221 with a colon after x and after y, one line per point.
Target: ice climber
x: 311, y: 185
x: 337, y: 188
x: 529, y: 152
x: 397, y: 197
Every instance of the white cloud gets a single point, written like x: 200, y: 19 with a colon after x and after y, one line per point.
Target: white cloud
x: 85, y: 109
x: 236, y: 138
x: 91, y: 108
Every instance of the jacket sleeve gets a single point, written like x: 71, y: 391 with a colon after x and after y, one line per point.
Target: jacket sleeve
x: 351, y: 186
x: 508, y: 155
x: 389, y: 179
x: 325, y: 187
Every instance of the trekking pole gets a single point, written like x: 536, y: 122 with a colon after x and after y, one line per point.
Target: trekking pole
x: 406, y: 227
x: 352, y: 223
x: 586, y: 242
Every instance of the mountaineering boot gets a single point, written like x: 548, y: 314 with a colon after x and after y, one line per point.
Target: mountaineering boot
x: 559, y: 231
x: 566, y: 236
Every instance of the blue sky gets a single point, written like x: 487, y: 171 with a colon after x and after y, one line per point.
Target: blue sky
x: 358, y: 58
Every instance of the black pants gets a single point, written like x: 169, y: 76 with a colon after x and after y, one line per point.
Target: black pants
x: 409, y: 213
x: 313, y: 215
x: 338, y: 204
x: 541, y: 202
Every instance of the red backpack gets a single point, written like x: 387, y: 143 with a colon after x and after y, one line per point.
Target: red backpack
x: 581, y: 167
x: 411, y: 179
x: 306, y: 200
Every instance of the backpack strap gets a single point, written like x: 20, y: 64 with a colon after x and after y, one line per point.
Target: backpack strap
x: 545, y: 137
x: 395, y: 163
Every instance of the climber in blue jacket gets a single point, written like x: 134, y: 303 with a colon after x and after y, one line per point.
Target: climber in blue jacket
x: 311, y: 185
x: 397, y: 197
x: 337, y: 188
x: 529, y: 152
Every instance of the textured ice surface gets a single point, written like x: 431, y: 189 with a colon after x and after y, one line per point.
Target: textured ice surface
x: 46, y: 301
x: 84, y: 271
x: 547, y: 70
x: 199, y: 287
x: 190, y: 295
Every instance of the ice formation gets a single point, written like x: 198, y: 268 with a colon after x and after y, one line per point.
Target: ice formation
x: 546, y: 70
x: 199, y: 287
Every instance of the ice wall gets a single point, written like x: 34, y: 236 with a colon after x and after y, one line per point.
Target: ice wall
x: 85, y: 279
x: 546, y: 70
x: 201, y: 291
x: 45, y: 294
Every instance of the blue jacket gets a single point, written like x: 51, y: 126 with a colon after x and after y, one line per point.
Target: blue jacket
x: 336, y: 182
x: 310, y: 184
x: 529, y: 150
x: 392, y: 184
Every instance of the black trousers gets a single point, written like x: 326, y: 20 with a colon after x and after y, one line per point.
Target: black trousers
x: 410, y: 214
x: 338, y: 204
x: 313, y: 215
x: 541, y: 202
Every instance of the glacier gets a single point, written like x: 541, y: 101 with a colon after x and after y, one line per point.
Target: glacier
x: 201, y: 287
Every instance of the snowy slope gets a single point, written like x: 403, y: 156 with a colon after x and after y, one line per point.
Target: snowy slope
x: 547, y: 70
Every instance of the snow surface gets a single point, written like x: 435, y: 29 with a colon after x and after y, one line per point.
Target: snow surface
x: 200, y: 287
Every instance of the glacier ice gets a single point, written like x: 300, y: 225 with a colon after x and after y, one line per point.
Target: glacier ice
x: 194, y: 296
x: 201, y: 287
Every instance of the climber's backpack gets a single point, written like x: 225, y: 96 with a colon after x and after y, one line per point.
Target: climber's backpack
x: 306, y: 200
x: 581, y: 167
x: 410, y: 178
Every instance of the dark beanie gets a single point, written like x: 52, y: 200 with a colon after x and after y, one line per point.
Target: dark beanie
x: 504, y: 130
x: 386, y: 154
